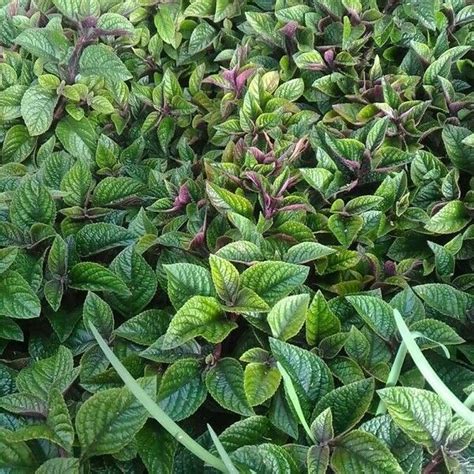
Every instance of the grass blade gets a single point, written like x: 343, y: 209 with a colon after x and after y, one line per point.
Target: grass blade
x: 155, y: 411
x: 429, y: 374
x: 222, y: 452
x: 290, y: 390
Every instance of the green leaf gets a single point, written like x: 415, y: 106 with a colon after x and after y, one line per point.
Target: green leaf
x: 225, y: 277
x: 436, y: 332
x: 446, y: 299
x: 100, y: 60
x: 225, y: 201
x: 274, y: 280
x: 322, y: 428
x: 32, y: 203
x: 288, y: 315
x: 260, y: 382
x: 10, y: 330
x: 318, y: 459
x: 113, y: 191
x: 245, y: 432
x: 106, y: 422
x: 186, y: 280
x: 114, y: 21
x: 306, y: 252
x: 144, y: 328
x: 48, y: 44
x: 310, y: 375
x: 458, y: 152
x: 165, y: 25
x: 359, y: 451
x: 17, y: 144
x: 59, y: 466
x: 290, y: 90
x: 408, y: 454
x: 199, y: 316
x: 95, y: 238
x: 421, y: 414
x: 140, y: 279
x: 56, y: 372
x: 182, y: 390
x: 225, y: 383
x: 77, y: 183
x: 15, y: 457
x: 77, y: 137
x: 348, y: 404
x: 156, y: 449
x: 7, y: 257
x: 451, y: 218
x: 377, y: 314
x: 201, y: 37
x: 24, y: 404
x: 37, y: 109
x: 17, y: 299
x: 345, y: 229
x: 320, y: 320
x: 91, y: 276
x: 98, y: 312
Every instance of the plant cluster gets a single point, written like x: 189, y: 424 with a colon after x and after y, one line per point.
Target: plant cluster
x: 260, y: 213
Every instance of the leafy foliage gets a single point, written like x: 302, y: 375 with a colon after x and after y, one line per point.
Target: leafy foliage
x: 236, y: 195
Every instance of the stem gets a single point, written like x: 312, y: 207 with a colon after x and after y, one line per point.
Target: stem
x: 394, y: 374
x: 469, y: 402
x: 155, y: 411
x: 430, y: 375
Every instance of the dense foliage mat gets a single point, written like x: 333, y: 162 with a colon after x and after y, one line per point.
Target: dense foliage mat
x: 237, y: 195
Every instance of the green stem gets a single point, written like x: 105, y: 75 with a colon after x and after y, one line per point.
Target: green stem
x: 469, y: 402
x: 429, y: 374
x: 394, y: 374
x: 155, y: 411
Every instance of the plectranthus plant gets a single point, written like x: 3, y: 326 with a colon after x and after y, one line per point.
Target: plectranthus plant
x: 236, y: 236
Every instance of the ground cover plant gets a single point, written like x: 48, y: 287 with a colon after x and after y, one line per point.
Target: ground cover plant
x: 236, y: 236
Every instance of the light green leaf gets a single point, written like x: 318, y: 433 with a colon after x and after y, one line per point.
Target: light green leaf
x: 348, y: 404
x: 46, y: 43
x: 306, y: 252
x: 17, y: 144
x: 114, y: 21
x: 345, y: 228
x: 186, y: 280
x: 201, y: 37
x: 225, y: 382
x: 77, y: 137
x: 77, y: 183
x: 274, y: 280
x: 199, y: 316
x: 7, y: 257
x: 288, y: 315
x: 100, y: 60
x: 37, y: 109
x: 225, y: 277
x: 359, y: 451
x: 421, y: 414
x: 225, y: 201
x: 451, y: 218
x: 320, y: 320
x: 375, y: 313
x: 290, y: 90
x: 261, y: 381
